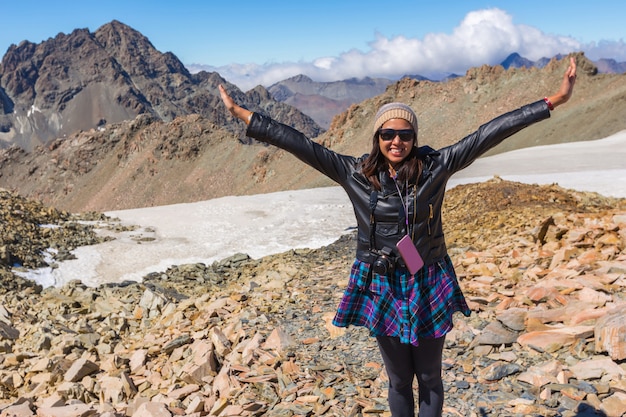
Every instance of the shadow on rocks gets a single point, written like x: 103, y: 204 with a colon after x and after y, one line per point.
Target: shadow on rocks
x: 586, y: 410
x: 583, y: 410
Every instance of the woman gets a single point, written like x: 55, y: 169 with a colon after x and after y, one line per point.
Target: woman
x: 397, y: 190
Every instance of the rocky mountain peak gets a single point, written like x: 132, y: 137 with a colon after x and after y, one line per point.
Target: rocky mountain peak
x: 85, y: 80
x: 136, y: 53
x: 516, y: 61
x: 117, y: 35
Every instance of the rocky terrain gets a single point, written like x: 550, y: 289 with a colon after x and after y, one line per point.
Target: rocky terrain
x: 543, y: 269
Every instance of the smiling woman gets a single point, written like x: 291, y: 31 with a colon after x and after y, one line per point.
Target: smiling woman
x: 397, y: 193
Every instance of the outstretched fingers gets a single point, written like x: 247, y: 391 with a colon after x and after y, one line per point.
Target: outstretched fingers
x: 228, y: 101
x: 569, y: 79
x: 567, y: 85
x: 234, y: 109
x: 571, y: 70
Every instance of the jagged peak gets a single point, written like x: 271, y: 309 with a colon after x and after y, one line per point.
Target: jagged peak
x: 118, y: 27
x: 117, y: 35
x: 260, y: 92
x: 300, y: 78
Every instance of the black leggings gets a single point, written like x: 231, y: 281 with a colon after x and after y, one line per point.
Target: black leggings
x: 403, y: 363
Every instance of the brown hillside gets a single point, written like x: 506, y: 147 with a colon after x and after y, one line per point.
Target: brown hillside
x: 149, y: 162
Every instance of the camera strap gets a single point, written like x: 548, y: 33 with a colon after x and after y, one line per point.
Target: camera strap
x: 405, y: 206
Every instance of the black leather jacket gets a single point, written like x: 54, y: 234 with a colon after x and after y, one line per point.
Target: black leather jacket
x: 438, y: 167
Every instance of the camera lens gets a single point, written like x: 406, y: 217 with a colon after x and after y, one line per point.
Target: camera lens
x: 381, y: 265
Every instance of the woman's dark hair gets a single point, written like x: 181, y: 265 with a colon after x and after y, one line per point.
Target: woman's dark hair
x: 408, y: 170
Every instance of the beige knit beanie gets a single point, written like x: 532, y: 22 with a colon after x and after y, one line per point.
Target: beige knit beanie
x: 395, y: 111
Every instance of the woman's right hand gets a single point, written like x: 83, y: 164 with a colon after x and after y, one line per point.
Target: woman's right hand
x: 234, y: 109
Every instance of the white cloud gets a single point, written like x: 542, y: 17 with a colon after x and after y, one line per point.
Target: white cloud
x: 483, y: 37
x: 606, y: 49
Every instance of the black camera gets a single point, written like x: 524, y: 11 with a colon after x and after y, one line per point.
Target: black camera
x: 384, y: 263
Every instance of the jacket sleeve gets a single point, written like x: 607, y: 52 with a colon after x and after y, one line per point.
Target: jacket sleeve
x: 329, y: 163
x: 467, y: 150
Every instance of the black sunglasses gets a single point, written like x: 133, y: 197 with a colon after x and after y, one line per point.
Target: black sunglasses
x: 406, y: 135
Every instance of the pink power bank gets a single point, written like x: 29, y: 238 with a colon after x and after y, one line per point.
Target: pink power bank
x: 409, y: 254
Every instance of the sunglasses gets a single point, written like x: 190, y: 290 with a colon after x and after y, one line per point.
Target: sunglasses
x: 406, y: 135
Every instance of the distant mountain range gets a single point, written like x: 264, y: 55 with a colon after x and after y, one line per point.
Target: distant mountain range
x: 604, y: 66
x: 85, y: 80
x: 324, y: 100
x: 104, y: 121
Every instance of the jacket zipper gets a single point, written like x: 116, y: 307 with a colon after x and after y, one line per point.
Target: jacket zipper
x: 431, y: 215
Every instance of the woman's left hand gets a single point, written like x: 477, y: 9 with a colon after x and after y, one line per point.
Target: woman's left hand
x: 567, y: 85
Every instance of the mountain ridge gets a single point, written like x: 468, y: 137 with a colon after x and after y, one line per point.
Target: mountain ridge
x: 84, y: 80
x: 149, y: 160
x: 321, y: 101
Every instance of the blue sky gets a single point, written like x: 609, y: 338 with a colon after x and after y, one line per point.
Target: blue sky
x: 261, y: 42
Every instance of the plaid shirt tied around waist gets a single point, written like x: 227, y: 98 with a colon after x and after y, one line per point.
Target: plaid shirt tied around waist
x: 403, y: 305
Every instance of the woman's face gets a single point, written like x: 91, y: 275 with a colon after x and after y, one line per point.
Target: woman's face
x: 395, y: 150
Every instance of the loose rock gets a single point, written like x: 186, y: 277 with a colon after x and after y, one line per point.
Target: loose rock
x: 245, y: 337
